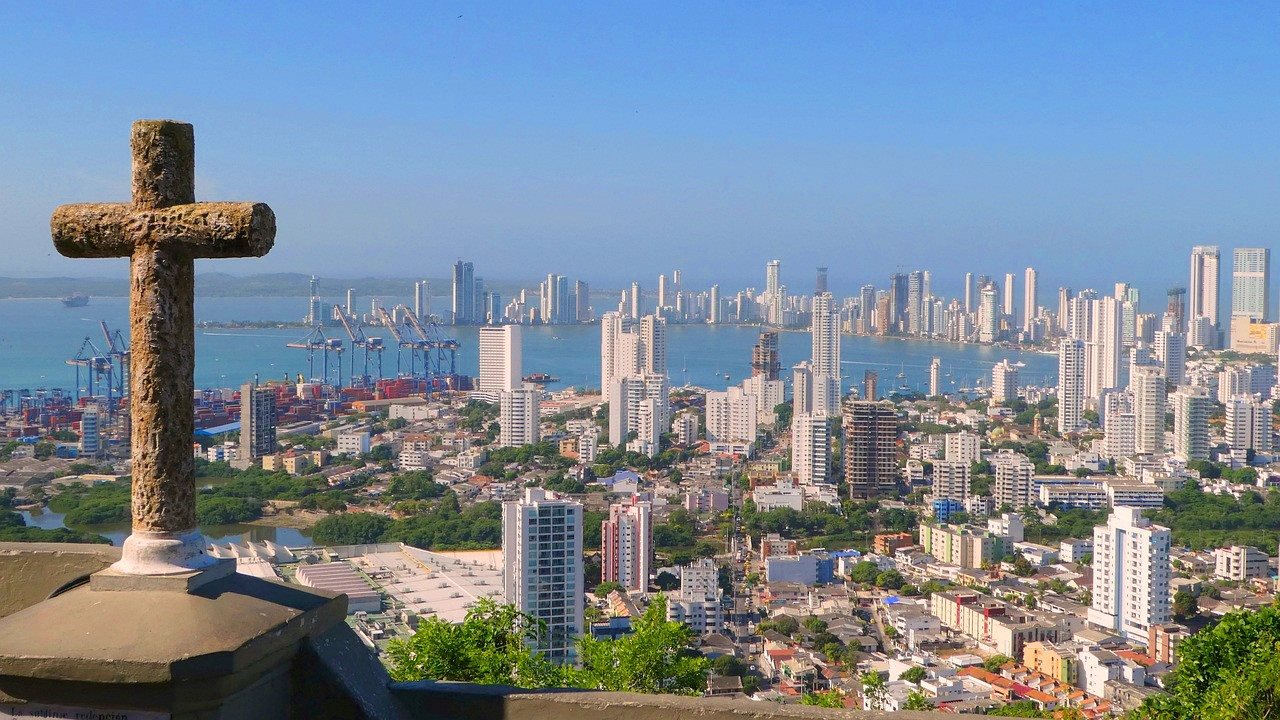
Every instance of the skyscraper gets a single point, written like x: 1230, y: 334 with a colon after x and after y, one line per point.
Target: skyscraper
x: 582, y: 301
x: 870, y: 448
x: 1191, y: 407
x: 773, y: 293
x: 1205, y: 277
x: 637, y: 304
x: 1175, y: 313
x: 257, y: 423
x: 1070, y: 385
x: 732, y: 416
x: 988, y: 315
x: 1009, y: 307
x: 898, y: 304
x: 915, y: 299
x: 653, y: 345
x: 1130, y: 574
x: 968, y: 293
x: 1102, y: 360
x: 501, y: 351
x: 542, y: 554
x: 1248, y: 424
x: 764, y: 356
x: 1251, y: 284
x: 1148, y: 387
x: 1030, y: 298
x: 825, y: 332
x: 1004, y: 382
x: 421, y: 299
x: 820, y: 284
x: 626, y: 544
x: 1170, y: 349
x: 714, y: 310
x: 464, y: 287
x: 935, y: 372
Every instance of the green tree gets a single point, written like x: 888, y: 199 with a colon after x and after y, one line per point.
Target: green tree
x: 654, y: 658
x: 889, y: 580
x: 1185, y: 605
x: 873, y: 689
x: 913, y: 675
x: 350, y: 529
x: 1228, y: 671
x: 667, y: 581
x: 828, y: 699
x: 864, y: 572
x: 995, y: 662
x: 606, y: 587
x: 917, y: 701
x: 490, y: 646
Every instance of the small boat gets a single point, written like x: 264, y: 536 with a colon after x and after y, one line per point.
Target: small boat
x: 75, y: 300
x: 540, y: 378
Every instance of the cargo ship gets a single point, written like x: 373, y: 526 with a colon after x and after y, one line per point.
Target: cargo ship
x: 540, y: 378
x: 75, y: 300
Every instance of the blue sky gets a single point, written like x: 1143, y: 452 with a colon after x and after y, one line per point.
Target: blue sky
x: 1098, y: 141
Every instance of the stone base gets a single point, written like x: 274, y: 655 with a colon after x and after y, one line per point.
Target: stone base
x: 112, y: 579
x: 163, y: 553
x: 222, y: 650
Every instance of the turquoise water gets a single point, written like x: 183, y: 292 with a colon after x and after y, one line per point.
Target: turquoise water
x: 37, y: 336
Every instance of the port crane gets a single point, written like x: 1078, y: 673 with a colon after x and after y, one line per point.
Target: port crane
x: 437, y: 348
x: 404, y: 342
x: 97, y: 367
x: 118, y: 351
x: 317, y: 340
x: 359, y: 340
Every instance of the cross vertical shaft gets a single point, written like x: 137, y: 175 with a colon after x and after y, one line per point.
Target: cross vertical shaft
x: 162, y: 231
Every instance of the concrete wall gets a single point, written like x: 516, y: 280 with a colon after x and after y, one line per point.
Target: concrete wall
x: 30, y: 572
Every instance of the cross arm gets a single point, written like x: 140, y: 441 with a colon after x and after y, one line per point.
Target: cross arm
x: 201, y: 230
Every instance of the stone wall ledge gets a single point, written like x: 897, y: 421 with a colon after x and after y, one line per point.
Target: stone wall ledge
x: 428, y: 700
x: 30, y: 572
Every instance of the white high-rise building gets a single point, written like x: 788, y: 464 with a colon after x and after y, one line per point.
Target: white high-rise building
x: 1170, y: 349
x: 988, y: 315
x: 501, y: 347
x: 1118, y: 423
x: 626, y: 545
x: 1248, y: 424
x: 1251, y: 284
x: 1148, y: 388
x: 951, y: 480
x: 963, y: 447
x: 802, y: 388
x: 810, y: 448
x: 1191, y: 408
x: 1130, y: 574
x: 1030, y: 298
x: 421, y: 299
x: 825, y: 332
x: 935, y: 377
x: 518, y: 417
x: 653, y: 345
x: 1203, y: 293
x: 90, y: 432
x: 773, y: 293
x: 639, y: 404
x: 1014, y: 473
x: 769, y: 395
x: 542, y: 556
x: 1004, y: 382
x: 733, y: 416
x: 698, y: 603
x: 1070, y: 385
x: 1103, y: 349
x: 1009, y: 307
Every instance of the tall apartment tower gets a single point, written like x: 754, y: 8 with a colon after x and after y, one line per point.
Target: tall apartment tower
x: 518, y: 417
x: 988, y: 315
x: 714, y: 316
x: 810, y: 448
x: 968, y: 292
x: 1014, y: 474
x: 542, y: 554
x: 1205, y: 277
x: 1009, y: 307
x: 1130, y: 574
x: 653, y: 345
x: 764, y: 356
x: 935, y: 377
x: 1030, y: 298
x: 582, y: 301
x: 1248, y: 424
x: 1148, y: 388
x: 870, y: 448
x: 90, y: 432
x: 1004, y: 382
x: 257, y: 423
x: 820, y: 283
x: 464, y: 293
x: 732, y: 416
x: 773, y: 292
x: 951, y: 480
x: 421, y: 299
x: 1170, y: 349
x: 825, y: 332
x: 626, y: 545
x: 1191, y: 408
x: 1070, y: 385
x: 500, y: 360
x: 1251, y: 284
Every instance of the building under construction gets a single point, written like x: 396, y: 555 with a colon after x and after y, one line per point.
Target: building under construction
x: 870, y: 449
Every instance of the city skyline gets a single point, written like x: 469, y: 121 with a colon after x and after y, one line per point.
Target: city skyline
x: 519, y: 133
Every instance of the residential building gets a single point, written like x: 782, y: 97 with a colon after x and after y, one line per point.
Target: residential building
x: 518, y: 417
x: 1251, y: 284
x: 963, y: 546
x: 542, y: 554
x: 1240, y: 562
x: 353, y: 443
x: 1071, y: 396
x: 698, y: 602
x: 1004, y: 382
x: 870, y: 448
x: 90, y: 432
x: 810, y: 448
x: 500, y: 361
x: 964, y: 447
x: 1013, y: 479
x: 639, y: 404
x: 1203, y: 292
x: 1131, y: 574
x: 1191, y: 408
x: 1058, y: 662
x: 732, y: 416
x: 1147, y: 384
x: 626, y: 544
x: 257, y: 423
x: 1248, y: 426
x: 951, y: 479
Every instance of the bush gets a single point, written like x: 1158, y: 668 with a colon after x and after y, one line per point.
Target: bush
x: 350, y: 529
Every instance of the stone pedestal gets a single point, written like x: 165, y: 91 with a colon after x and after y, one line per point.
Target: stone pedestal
x: 213, y: 644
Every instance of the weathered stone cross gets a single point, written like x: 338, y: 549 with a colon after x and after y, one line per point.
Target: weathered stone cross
x: 162, y: 232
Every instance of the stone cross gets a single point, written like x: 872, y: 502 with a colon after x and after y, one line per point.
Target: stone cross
x: 162, y: 232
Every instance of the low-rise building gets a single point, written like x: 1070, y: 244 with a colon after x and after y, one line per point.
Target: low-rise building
x: 1240, y: 562
x: 963, y: 546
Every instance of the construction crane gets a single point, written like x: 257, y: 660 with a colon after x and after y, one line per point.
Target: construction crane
x: 359, y: 340
x: 438, y: 348
x: 97, y: 366
x: 403, y: 342
x: 317, y: 340
x: 118, y: 351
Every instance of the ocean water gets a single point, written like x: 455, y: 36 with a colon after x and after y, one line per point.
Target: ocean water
x: 37, y: 336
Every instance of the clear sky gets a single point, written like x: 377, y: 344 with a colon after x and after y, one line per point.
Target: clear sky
x: 1098, y: 141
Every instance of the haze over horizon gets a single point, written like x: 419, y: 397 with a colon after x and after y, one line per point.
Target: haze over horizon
x: 1098, y: 144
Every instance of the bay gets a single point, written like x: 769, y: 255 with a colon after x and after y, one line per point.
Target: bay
x: 37, y: 336
x: 217, y: 534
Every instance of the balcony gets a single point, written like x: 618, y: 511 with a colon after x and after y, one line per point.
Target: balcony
x: 311, y: 667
